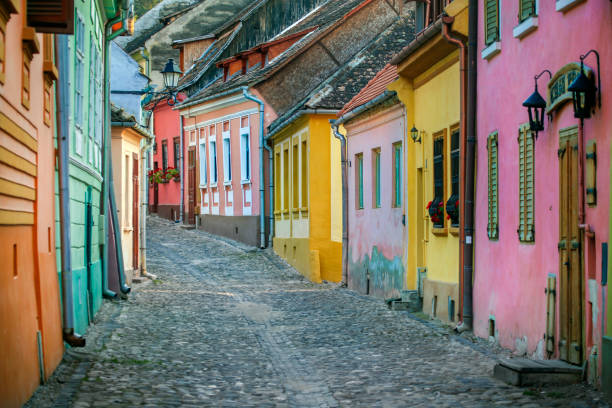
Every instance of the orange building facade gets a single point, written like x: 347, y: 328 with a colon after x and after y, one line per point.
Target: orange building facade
x: 30, y: 314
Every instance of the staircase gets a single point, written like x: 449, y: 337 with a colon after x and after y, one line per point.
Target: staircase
x: 522, y: 371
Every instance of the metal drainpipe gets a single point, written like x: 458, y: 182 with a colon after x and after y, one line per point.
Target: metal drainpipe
x: 262, y: 220
x: 446, y: 33
x: 182, y: 172
x: 470, y: 162
x: 143, y: 212
x: 104, y: 197
x: 271, y: 190
x: 344, y: 162
x: 62, y: 58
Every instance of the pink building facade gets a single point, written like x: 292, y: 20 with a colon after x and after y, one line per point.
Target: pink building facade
x: 375, y: 201
x: 164, y: 198
x: 222, y: 166
x: 538, y: 272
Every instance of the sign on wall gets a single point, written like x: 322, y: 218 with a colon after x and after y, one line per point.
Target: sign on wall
x: 557, y: 87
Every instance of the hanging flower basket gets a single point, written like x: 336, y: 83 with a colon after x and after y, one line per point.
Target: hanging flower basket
x: 436, y: 212
x: 172, y: 173
x: 156, y: 176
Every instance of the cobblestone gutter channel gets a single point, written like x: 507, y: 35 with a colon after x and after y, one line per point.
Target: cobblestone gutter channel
x: 230, y: 326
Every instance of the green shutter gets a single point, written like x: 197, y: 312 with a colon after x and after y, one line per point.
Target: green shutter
x: 492, y: 225
x: 360, y: 169
x: 526, y: 9
x: 398, y: 175
x: 526, y: 185
x: 491, y: 21
x: 377, y: 155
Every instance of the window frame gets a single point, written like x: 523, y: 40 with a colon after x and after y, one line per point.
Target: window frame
x: 165, y: 155
x: 359, y: 197
x: 396, y: 171
x: 245, y: 150
x: 440, y: 228
x: 304, y: 173
x: 376, y: 178
x: 212, y: 149
x: 532, y: 13
x: 227, y: 153
x: 176, y: 149
x: 203, y: 163
x: 497, y: 35
x: 454, y: 158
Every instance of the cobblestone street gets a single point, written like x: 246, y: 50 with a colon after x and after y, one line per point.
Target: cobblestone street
x: 231, y: 326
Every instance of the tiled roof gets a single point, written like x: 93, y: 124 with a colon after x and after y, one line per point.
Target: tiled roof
x: 323, y: 18
x: 375, y: 87
x: 350, y: 79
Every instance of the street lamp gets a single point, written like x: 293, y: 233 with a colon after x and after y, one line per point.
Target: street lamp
x: 171, y: 74
x: 536, y: 105
x: 584, y: 91
x: 414, y: 134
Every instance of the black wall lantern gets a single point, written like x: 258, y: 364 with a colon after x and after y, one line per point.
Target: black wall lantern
x: 584, y: 91
x: 536, y: 105
x: 171, y: 74
x: 414, y: 134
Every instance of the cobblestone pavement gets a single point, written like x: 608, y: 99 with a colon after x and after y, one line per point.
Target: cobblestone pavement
x: 230, y: 326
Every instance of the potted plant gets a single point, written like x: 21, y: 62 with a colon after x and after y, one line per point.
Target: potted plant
x: 156, y: 176
x: 436, y: 211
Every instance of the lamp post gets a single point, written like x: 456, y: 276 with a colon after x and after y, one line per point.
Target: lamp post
x: 536, y: 105
x: 584, y: 91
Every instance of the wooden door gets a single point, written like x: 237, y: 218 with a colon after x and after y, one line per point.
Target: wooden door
x: 192, y: 184
x: 155, y: 191
x: 570, y: 251
x: 135, y: 202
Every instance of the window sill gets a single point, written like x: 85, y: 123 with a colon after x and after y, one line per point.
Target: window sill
x: 203, y: 186
x: 285, y: 212
x: 227, y: 183
x: 213, y: 185
x: 128, y: 229
x: 491, y: 51
x: 454, y: 231
x: 439, y: 231
x: 278, y: 212
x: 295, y: 210
x: 526, y: 27
x: 565, y: 5
x: 247, y: 181
x: 304, y: 209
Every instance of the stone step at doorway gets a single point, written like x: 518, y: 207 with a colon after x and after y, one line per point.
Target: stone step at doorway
x: 523, y: 371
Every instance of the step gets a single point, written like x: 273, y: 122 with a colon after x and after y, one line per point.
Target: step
x: 523, y: 371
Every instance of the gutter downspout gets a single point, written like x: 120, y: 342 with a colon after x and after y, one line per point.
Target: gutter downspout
x: 182, y: 172
x: 459, y: 42
x: 63, y: 145
x: 470, y: 162
x: 144, y: 210
x: 108, y: 184
x: 344, y: 164
x: 262, y: 221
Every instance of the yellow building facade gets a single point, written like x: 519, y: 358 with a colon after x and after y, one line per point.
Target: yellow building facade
x: 429, y: 87
x: 308, y: 198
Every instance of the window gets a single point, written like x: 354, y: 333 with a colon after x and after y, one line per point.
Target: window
x: 526, y: 230
x: 491, y: 14
x: 452, y: 205
x: 2, y: 51
x: 527, y: 8
x: 285, y: 179
x: 99, y: 123
x: 304, y: 180
x: 49, y: 76
x: 227, y: 155
x: 436, y: 206
x: 203, y: 165
x: 277, y: 181
x: 397, y: 175
x: 213, y: 161
x: 177, y: 152
x: 92, y: 95
x: 25, y: 78
x: 126, y: 195
x: 245, y: 149
x: 376, y: 178
x: 295, y: 160
x: 79, y: 82
x: 492, y: 223
x: 359, y: 180
x: 165, y: 155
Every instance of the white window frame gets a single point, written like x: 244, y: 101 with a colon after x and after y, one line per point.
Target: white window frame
x: 227, y: 154
x: 245, y: 152
x: 79, y: 73
x: 203, y: 159
x: 212, y: 148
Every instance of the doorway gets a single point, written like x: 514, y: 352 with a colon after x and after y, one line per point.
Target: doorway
x: 571, y: 279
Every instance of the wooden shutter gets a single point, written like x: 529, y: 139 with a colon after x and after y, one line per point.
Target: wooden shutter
x: 526, y: 9
x: 526, y: 185
x: 492, y: 225
x: 51, y: 16
x: 491, y: 21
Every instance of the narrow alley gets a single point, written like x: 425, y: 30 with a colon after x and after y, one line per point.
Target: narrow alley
x: 232, y: 326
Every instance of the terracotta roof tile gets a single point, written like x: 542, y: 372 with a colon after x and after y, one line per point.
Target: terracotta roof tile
x: 376, y: 86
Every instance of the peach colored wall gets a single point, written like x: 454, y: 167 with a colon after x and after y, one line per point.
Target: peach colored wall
x: 509, y: 276
x: 376, y: 234
x: 29, y: 288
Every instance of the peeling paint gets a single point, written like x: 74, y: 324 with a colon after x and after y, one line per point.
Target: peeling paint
x: 386, y: 275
